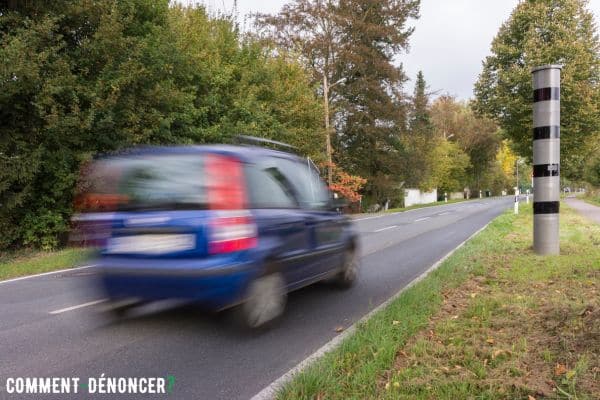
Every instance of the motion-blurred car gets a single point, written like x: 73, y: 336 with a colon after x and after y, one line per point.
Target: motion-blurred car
x: 220, y: 225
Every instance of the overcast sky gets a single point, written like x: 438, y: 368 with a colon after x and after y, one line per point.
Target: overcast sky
x: 451, y: 38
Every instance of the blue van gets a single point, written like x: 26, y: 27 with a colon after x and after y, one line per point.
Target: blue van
x: 219, y: 225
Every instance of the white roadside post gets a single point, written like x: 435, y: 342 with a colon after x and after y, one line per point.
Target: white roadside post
x: 517, y: 192
x: 546, y: 159
x: 445, y: 197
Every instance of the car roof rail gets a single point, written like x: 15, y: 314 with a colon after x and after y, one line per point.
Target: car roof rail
x: 312, y: 163
x: 257, y: 141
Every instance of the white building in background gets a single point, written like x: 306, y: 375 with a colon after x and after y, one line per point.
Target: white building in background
x: 415, y: 196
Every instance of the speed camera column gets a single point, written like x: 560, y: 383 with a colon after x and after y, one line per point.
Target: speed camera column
x: 546, y: 159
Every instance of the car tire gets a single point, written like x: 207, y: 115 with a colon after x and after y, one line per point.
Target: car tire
x: 348, y: 274
x: 266, y: 297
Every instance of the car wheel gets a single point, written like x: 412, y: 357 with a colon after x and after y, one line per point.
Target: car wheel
x: 265, y: 301
x: 349, y: 272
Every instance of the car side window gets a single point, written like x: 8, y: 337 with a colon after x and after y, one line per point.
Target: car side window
x: 309, y: 189
x: 266, y: 189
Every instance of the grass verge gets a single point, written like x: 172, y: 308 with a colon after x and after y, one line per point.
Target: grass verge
x: 495, y: 321
x: 591, y: 196
x: 21, y: 264
x: 593, y: 200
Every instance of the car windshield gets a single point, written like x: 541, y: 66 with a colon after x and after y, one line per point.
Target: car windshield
x: 144, y: 182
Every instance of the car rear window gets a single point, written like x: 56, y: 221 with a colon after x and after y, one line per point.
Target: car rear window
x: 171, y: 181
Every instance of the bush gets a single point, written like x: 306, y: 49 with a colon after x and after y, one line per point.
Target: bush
x: 44, y: 229
x: 593, y: 172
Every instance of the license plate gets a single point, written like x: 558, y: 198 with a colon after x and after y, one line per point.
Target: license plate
x: 151, y: 244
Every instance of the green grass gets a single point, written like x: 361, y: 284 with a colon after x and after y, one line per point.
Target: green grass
x: 493, y: 321
x: 34, y: 262
x: 592, y: 200
x: 591, y: 196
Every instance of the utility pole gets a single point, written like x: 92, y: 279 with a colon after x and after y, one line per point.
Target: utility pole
x: 546, y: 159
x: 327, y: 133
x: 326, y: 88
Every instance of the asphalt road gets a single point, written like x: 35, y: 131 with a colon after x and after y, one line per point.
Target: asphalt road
x: 207, y: 356
x: 589, y: 211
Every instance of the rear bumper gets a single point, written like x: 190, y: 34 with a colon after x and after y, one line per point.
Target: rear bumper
x: 212, y: 284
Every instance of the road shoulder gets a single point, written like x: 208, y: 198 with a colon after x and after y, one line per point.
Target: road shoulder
x: 494, y: 321
x: 35, y: 263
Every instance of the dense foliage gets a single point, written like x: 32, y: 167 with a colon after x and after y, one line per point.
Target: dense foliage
x: 469, y: 152
x: 346, y: 185
x: 82, y: 77
x: 593, y: 171
x: 543, y: 32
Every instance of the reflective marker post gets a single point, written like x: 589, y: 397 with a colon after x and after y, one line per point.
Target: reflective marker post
x: 546, y: 158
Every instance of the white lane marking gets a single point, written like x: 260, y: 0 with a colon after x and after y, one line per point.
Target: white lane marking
x: 270, y: 391
x: 422, y: 219
x: 46, y: 273
x: 363, y: 219
x: 91, y: 303
x: 386, y: 228
x: 444, y: 213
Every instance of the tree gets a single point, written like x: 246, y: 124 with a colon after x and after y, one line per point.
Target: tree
x: 592, y: 175
x: 348, y: 186
x: 420, y: 120
x: 449, y: 166
x: 506, y: 158
x: 478, y: 137
x: 241, y: 86
x: 357, y: 41
x: 310, y: 29
x: 420, y: 142
x: 542, y: 32
x: 374, y: 112
x: 77, y: 78
x: 81, y: 78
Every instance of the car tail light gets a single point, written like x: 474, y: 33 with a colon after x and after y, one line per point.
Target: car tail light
x: 232, y: 233
x: 99, y: 202
x: 226, y: 189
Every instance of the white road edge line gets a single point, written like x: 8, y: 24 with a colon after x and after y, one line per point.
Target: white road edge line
x: 45, y: 273
x: 91, y: 303
x: 269, y: 392
x: 444, y: 213
x: 386, y: 228
x: 422, y: 219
